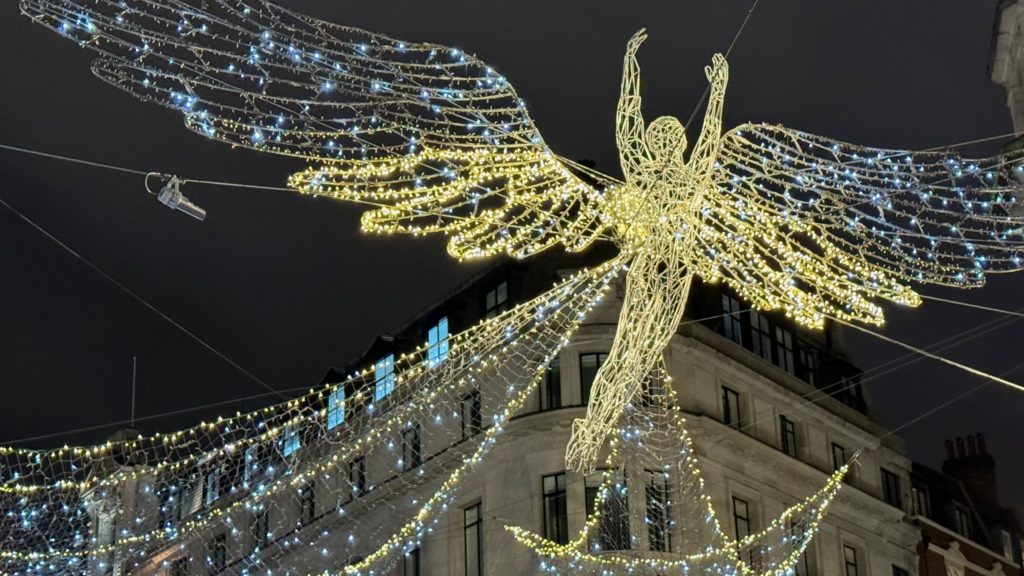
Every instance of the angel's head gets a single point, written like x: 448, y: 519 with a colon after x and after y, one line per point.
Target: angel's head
x: 666, y: 138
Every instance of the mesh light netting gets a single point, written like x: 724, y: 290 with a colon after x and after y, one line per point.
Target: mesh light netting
x: 346, y: 478
x: 680, y: 533
x: 352, y: 477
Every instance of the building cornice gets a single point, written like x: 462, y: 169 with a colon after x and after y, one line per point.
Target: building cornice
x: 705, y: 340
x: 999, y: 559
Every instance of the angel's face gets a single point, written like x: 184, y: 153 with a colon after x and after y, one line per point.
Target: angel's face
x: 666, y: 138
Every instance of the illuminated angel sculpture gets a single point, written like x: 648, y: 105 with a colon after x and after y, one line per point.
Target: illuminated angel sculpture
x: 439, y: 142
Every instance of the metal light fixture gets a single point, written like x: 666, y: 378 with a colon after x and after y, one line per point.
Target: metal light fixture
x: 170, y: 195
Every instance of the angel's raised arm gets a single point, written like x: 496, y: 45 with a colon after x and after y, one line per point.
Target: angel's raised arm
x: 706, y: 149
x: 629, y: 121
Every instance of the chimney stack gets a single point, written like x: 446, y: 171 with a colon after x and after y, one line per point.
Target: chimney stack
x: 970, y: 463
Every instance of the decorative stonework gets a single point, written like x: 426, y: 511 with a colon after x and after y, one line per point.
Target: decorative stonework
x: 1008, y: 60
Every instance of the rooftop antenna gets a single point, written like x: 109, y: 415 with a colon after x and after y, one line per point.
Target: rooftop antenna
x: 134, y: 364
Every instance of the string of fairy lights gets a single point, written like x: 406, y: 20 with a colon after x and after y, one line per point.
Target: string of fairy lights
x: 436, y: 141
x: 498, y: 361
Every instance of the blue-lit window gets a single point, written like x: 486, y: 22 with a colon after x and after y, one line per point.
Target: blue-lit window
x: 336, y: 408
x: 291, y: 439
x: 437, y: 343
x: 384, y: 377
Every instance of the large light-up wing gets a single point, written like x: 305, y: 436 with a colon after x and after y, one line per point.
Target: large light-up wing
x: 819, y: 227
x: 433, y: 134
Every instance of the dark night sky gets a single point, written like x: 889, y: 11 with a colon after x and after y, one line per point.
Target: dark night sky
x: 287, y: 285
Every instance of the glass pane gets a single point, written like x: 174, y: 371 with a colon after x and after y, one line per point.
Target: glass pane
x: 741, y: 516
x: 551, y: 393
x: 555, y: 509
x: 472, y: 536
x: 838, y: 456
x: 336, y: 408
x: 384, y: 377
x: 589, y: 365
x: 412, y: 563
x: 658, y: 512
x: 472, y: 553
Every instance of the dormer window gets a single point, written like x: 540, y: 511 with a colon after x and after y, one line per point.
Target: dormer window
x: 384, y: 377
x: 437, y: 342
x: 336, y: 407
x: 291, y: 442
x: 496, y: 300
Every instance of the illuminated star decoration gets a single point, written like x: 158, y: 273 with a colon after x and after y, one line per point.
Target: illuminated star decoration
x: 441, y: 143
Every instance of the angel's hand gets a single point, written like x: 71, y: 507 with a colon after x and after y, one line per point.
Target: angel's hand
x: 719, y: 68
x: 636, y: 41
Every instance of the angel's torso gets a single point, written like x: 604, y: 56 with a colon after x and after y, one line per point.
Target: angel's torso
x: 659, y: 203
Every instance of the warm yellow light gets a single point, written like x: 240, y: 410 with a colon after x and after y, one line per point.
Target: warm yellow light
x: 436, y: 141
